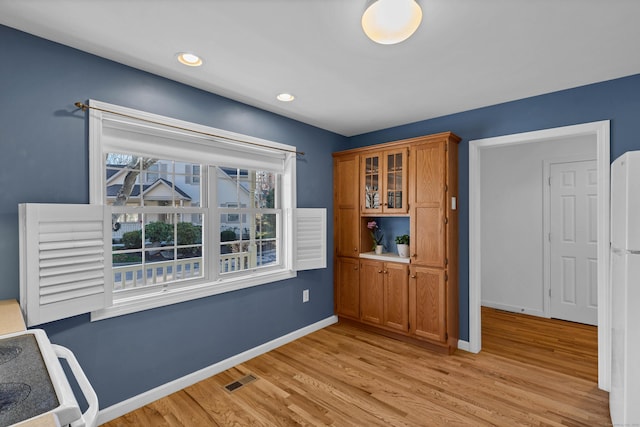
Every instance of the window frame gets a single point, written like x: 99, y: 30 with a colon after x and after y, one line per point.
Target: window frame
x: 101, y: 143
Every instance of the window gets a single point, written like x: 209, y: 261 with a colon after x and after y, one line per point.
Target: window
x: 191, y: 215
x: 174, y: 215
x: 157, y: 232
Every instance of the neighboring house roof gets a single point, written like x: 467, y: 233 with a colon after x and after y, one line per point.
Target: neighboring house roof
x: 232, y: 174
x: 112, y: 190
x: 112, y: 172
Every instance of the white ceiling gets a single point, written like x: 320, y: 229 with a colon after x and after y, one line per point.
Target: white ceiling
x: 466, y: 54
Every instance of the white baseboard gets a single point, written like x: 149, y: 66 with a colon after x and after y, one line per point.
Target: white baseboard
x: 514, y: 309
x: 126, y: 406
x: 464, y: 345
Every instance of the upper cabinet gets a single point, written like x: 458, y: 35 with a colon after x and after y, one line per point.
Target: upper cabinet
x: 383, y: 182
x: 345, y: 203
x: 428, y: 213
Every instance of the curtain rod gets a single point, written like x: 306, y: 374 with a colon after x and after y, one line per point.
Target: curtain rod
x: 85, y: 107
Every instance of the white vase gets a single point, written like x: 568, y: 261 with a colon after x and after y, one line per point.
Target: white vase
x: 379, y: 249
x: 403, y: 250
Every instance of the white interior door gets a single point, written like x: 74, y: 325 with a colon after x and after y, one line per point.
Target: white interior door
x: 573, y: 241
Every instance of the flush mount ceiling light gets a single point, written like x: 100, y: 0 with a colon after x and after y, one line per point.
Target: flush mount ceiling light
x: 189, y: 59
x: 285, y: 97
x: 391, y: 21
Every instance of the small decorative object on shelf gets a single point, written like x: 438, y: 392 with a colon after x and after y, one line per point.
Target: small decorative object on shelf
x: 378, y: 249
x: 376, y: 235
x: 403, y: 245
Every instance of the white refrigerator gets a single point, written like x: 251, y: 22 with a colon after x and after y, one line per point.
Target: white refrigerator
x: 624, y: 398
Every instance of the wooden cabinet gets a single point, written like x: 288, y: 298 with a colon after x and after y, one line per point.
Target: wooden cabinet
x: 427, y: 192
x: 384, y: 294
x: 347, y: 289
x: 345, y: 202
x: 396, y: 296
x: 427, y: 310
x: 416, y: 179
x: 371, y: 291
x: 383, y: 182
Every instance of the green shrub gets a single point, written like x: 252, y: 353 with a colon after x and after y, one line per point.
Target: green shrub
x: 228, y: 235
x: 188, y: 234
x: 132, y: 239
x: 158, y: 232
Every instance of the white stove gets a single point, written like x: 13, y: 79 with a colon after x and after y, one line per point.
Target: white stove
x: 33, y: 383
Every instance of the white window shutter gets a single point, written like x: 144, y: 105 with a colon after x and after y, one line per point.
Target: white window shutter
x: 310, y: 228
x: 65, y: 260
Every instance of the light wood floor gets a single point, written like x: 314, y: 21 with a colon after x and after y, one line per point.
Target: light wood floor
x: 531, y: 372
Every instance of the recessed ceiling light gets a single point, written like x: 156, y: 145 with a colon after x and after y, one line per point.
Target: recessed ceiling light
x: 189, y: 59
x: 285, y: 97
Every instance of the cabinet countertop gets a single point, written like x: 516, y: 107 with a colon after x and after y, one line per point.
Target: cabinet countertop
x: 385, y: 256
x: 11, y: 317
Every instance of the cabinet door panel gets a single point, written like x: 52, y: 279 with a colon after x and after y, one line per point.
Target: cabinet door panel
x: 348, y: 287
x: 371, y: 182
x: 429, y: 243
x: 396, y: 296
x: 428, y: 231
x: 346, y: 214
x: 396, y: 178
x: 429, y: 173
x: 428, y: 303
x: 347, y: 223
x: 371, y: 291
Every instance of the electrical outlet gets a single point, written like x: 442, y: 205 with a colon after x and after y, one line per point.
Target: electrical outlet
x: 305, y: 295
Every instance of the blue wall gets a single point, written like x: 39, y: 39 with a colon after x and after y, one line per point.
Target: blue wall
x: 616, y: 100
x: 45, y: 159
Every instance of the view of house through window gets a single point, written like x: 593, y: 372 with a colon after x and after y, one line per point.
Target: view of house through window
x: 163, y: 209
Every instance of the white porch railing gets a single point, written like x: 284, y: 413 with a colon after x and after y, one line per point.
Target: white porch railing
x: 133, y: 276
x: 234, y: 262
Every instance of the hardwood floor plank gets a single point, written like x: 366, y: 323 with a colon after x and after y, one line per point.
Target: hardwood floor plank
x: 531, y: 372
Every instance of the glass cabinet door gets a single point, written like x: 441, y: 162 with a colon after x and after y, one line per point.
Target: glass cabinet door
x: 395, y: 179
x: 371, y: 182
x: 384, y: 182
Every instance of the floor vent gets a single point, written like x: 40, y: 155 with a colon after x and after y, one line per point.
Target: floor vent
x: 240, y: 383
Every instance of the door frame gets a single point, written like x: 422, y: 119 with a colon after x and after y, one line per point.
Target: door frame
x: 546, y: 223
x: 602, y: 133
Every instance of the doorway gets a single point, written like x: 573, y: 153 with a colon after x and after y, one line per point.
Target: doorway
x: 601, y: 132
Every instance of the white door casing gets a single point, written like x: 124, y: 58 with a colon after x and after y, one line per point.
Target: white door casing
x: 572, y: 256
x: 601, y: 131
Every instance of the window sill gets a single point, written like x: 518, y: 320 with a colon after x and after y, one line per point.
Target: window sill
x: 174, y: 296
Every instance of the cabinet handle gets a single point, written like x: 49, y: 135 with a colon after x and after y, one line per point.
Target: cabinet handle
x: 385, y: 272
x: 355, y: 268
x: 379, y: 271
x: 355, y: 249
x: 414, y: 255
x: 413, y: 276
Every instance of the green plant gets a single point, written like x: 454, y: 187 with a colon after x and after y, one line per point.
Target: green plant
x: 402, y: 240
x: 228, y: 235
x: 188, y: 234
x: 132, y: 239
x: 158, y: 232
